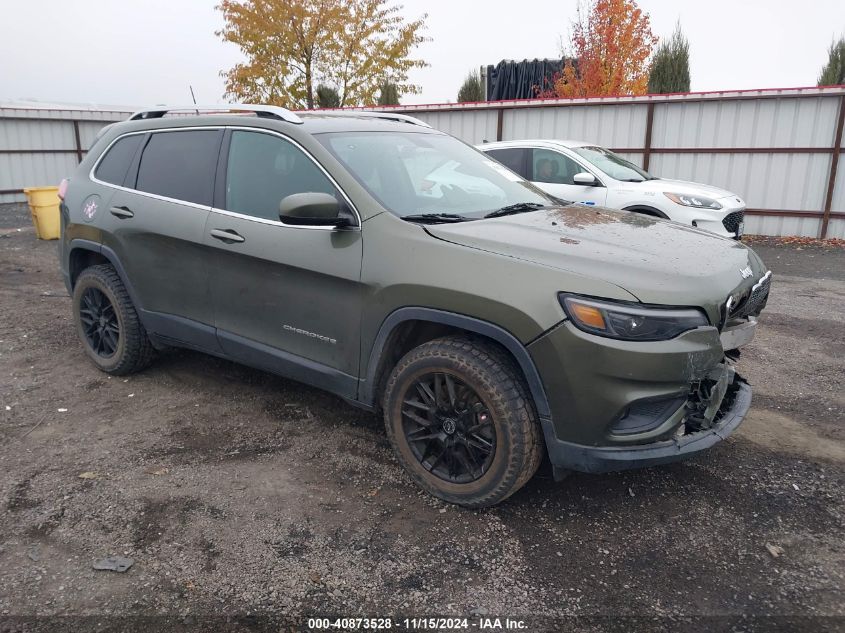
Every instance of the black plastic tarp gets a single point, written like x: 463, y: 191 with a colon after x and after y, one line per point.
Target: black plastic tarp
x: 520, y: 80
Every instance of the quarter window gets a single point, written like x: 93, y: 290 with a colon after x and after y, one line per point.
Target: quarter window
x: 180, y: 165
x: 554, y: 167
x: 115, y: 164
x: 264, y: 168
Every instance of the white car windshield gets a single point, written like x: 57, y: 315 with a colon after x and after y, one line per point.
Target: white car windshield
x: 612, y: 164
x: 412, y: 173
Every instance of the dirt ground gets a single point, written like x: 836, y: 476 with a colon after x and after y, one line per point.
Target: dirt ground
x: 252, y: 502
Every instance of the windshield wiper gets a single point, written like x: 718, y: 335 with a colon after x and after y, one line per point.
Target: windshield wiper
x: 519, y: 207
x: 435, y: 218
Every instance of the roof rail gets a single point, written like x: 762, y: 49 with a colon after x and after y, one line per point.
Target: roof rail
x: 391, y: 116
x: 265, y: 111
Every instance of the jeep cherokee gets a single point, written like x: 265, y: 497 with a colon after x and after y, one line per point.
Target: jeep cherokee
x: 406, y: 272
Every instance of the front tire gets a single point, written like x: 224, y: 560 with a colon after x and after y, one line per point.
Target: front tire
x: 107, y: 323
x: 461, y: 422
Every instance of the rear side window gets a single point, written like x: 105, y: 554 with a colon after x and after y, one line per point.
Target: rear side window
x: 514, y: 158
x: 263, y: 168
x: 180, y: 165
x: 115, y: 164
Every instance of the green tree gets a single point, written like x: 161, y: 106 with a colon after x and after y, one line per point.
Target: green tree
x: 327, y: 97
x: 833, y: 73
x: 670, y: 66
x: 292, y: 46
x: 472, y: 88
x: 388, y: 94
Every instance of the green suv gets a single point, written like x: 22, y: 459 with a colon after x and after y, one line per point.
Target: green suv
x: 401, y: 269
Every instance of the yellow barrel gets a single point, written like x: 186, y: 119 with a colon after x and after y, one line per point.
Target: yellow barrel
x: 44, y: 206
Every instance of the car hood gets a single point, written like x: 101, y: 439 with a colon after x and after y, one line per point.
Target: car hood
x: 661, y: 185
x: 657, y: 261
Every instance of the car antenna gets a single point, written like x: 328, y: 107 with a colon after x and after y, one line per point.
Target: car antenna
x: 193, y: 98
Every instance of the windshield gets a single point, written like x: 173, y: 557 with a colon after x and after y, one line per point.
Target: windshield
x: 413, y: 173
x: 612, y: 164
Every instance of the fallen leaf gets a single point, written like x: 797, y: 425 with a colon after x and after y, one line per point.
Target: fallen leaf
x: 89, y: 475
x: 315, y: 577
x: 775, y: 550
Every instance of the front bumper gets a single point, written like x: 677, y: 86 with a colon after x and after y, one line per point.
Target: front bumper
x: 620, y: 404
x: 602, y: 459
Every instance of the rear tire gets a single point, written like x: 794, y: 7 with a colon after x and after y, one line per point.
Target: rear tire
x: 108, y: 324
x: 461, y: 423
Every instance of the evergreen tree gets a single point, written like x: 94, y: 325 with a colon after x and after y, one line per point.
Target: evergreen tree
x: 472, y: 89
x: 388, y: 94
x: 670, y: 66
x: 327, y: 97
x: 833, y: 73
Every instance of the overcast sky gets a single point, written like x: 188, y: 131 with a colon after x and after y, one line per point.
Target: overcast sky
x: 139, y: 52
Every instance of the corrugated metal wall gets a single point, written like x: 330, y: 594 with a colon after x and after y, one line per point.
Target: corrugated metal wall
x: 40, y: 146
x: 773, y: 147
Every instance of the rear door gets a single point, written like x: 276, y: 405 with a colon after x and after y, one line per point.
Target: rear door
x: 155, y: 224
x: 514, y: 158
x: 287, y: 298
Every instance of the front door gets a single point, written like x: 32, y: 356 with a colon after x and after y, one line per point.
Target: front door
x: 286, y: 298
x: 553, y: 172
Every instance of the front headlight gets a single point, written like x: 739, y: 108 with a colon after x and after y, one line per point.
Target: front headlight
x: 630, y: 322
x: 699, y: 202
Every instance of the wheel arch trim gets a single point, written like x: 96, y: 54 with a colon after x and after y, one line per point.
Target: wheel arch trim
x: 468, y: 323
x: 113, y: 259
x: 645, y: 207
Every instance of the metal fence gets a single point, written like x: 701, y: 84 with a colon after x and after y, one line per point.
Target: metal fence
x: 40, y: 146
x: 778, y: 149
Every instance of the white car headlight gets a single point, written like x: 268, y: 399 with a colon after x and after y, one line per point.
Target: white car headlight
x: 699, y: 202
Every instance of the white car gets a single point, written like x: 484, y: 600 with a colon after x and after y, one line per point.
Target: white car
x: 587, y: 174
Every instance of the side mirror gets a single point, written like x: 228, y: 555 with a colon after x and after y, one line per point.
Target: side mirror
x: 312, y: 209
x: 584, y: 178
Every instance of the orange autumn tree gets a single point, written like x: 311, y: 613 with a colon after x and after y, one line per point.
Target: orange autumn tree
x: 611, y: 44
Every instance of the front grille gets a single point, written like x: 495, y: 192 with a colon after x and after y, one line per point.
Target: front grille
x: 732, y: 221
x: 752, y: 303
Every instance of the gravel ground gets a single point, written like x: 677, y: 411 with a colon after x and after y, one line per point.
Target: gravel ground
x: 251, y: 502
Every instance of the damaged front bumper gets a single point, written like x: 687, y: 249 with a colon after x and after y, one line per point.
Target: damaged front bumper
x: 733, y: 406
x: 618, y: 404
x: 738, y: 334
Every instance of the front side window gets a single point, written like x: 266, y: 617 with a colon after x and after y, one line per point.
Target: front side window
x: 264, y: 168
x: 412, y: 173
x: 612, y: 164
x: 553, y: 167
x: 180, y: 165
x: 115, y: 164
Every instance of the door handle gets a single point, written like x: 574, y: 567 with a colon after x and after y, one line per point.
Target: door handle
x: 229, y: 236
x: 122, y: 213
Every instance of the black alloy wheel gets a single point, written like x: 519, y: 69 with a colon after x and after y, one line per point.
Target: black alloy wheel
x: 448, y: 427
x: 99, y: 322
